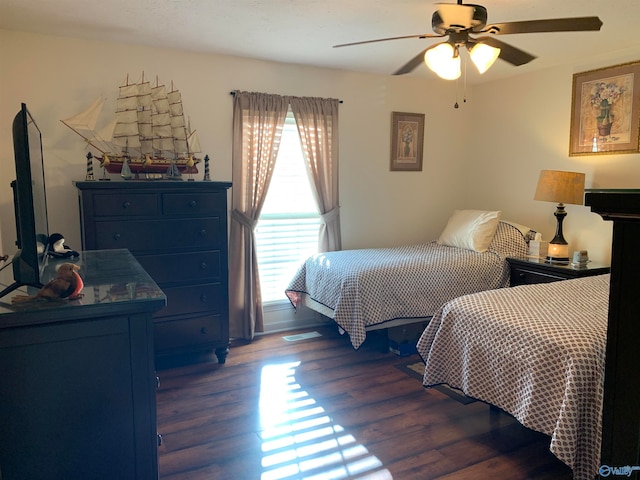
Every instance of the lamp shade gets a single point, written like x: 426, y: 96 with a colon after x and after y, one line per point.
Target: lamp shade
x: 444, y: 60
x: 560, y: 187
x: 483, y: 56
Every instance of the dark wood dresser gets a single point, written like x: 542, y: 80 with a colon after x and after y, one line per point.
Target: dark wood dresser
x: 77, y: 381
x: 178, y: 233
x: 621, y: 409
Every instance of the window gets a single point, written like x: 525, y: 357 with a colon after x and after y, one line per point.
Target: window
x: 287, y: 231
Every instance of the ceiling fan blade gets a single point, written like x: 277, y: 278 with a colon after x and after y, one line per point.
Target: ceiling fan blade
x: 424, y: 35
x: 576, y: 24
x: 508, y: 53
x: 412, y: 64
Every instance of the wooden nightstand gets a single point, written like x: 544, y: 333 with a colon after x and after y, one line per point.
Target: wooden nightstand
x: 530, y: 270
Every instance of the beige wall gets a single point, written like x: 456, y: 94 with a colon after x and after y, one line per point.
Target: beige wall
x: 58, y: 77
x: 521, y: 126
x: 486, y: 154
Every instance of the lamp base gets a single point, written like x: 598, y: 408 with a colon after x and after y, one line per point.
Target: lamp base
x: 558, y: 247
x: 558, y: 252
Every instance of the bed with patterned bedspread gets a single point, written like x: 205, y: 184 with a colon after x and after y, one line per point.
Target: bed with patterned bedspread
x: 363, y: 288
x: 535, y: 351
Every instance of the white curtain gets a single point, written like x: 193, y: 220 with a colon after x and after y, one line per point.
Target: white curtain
x: 317, y: 121
x: 258, y: 120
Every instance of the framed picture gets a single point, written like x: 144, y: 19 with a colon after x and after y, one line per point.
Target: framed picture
x: 604, y: 111
x: 407, y: 135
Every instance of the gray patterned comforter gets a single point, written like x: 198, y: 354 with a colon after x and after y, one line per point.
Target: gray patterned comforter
x: 370, y: 286
x: 537, y: 352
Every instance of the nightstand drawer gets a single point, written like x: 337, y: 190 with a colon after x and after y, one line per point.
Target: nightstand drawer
x: 530, y: 270
x: 520, y: 276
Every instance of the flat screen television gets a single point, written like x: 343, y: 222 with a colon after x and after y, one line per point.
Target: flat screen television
x: 30, y: 203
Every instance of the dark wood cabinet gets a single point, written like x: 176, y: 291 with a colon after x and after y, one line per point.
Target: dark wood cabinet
x: 77, y: 388
x: 621, y: 409
x: 178, y: 233
x: 528, y: 270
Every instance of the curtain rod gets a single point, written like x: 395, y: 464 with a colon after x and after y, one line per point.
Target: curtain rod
x: 234, y: 94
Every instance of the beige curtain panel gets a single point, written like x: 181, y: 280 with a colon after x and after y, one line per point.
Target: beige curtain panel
x: 258, y: 120
x: 317, y: 120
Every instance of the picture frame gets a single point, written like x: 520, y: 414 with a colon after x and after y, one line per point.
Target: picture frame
x: 604, y: 111
x: 407, y: 138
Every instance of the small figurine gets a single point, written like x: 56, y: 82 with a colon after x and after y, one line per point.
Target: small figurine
x: 67, y: 285
x: 89, y: 176
x: 58, y: 249
x: 207, y: 177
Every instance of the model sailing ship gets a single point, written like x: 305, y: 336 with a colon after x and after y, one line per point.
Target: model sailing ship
x: 148, y: 134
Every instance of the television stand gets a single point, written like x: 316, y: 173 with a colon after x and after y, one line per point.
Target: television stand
x: 77, y: 390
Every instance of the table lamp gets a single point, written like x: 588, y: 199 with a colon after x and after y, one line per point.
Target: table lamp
x: 560, y: 187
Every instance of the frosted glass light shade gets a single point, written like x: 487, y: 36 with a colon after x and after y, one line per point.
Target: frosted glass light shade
x: 442, y: 60
x: 483, y: 56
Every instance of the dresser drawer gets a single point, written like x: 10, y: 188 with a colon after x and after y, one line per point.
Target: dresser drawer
x: 182, y: 267
x: 125, y: 205
x: 193, y: 203
x: 193, y: 299
x: 171, y: 235
x: 190, y: 333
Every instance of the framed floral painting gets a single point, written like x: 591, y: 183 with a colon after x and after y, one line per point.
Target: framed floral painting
x: 604, y: 111
x: 407, y: 135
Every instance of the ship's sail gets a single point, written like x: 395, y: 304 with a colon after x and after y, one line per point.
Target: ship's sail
x: 87, y: 119
x: 148, y: 129
x: 84, y: 124
x: 194, y: 143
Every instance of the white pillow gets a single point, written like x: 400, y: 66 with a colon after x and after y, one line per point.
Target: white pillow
x: 470, y: 229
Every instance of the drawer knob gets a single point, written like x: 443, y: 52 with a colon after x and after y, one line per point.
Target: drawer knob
x: 116, y: 236
x: 521, y: 275
x: 203, y: 232
x: 204, y: 266
x: 204, y: 330
x: 126, y: 204
x: 193, y: 204
x: 203, y: 298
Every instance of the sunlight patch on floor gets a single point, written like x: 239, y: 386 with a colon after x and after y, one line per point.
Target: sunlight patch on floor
x: 301, y: 336
x: 300, y: 440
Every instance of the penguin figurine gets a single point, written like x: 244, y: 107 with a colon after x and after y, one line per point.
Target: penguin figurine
x: 58, y: 249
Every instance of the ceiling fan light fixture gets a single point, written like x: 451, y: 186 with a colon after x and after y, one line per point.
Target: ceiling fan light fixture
x: 443, y: 59
x: 483, y: 56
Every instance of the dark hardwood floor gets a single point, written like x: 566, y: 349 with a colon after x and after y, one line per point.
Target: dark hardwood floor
x: 318, y: 409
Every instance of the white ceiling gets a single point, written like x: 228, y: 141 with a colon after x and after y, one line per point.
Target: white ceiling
x: 304, y: 31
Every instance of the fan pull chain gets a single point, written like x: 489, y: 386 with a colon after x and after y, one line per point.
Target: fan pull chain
x: 464, y: 86
x: 464, y: 91
x: 455, y: 105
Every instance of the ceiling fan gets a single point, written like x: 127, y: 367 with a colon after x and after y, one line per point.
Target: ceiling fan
x: 459, y: 21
